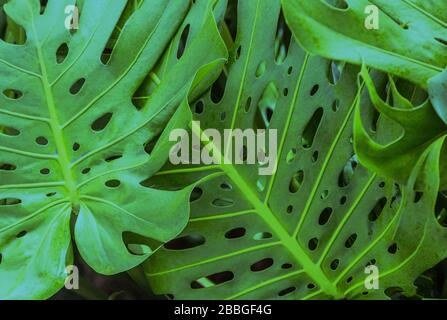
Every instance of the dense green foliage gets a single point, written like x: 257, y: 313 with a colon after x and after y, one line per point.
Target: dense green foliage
x: 361, y: 120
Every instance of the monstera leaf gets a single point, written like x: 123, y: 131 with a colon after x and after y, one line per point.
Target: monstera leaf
x: 411, y: 39
x: 74, y: 146
x: 308, y: 230
x: 421, y: 128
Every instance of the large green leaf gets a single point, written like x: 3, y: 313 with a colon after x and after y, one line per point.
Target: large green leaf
x: 411, y: 41
x: 309, y: 230
x: 74, y: 147
x: 421, y: 128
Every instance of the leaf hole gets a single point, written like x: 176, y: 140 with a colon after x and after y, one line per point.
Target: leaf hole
x: 9, y: 131
x: 325, y: 216
x: 7, y: 167
x: 77, y: 86
x: 296, y: 182
x: 13, y: 94
x: 212, y: 280
x: 114, y: 183
x: 102, y: 122
x: 42, y: 141
x: 338, y: 4
x: 351, y: 240
x: 286, y: 291
x: 283, y: 40
x: 261, y: 265
x: 314, y: 90
x: 235, y: 233
x: 261, y: 69
x: 62, y: 53
x: 223, y: 202
x: 311, y: 129
x: 312, y: 244
x: 76, y: 146
x: 45, y: 171
x: 334, y: 264
x: 183, y: 41
x: 248, y: 104
x: 185, y: 242
x: 10, y: 201
x: 21, y: 234
x: 336, y: 105
x: 377, y: 210
x: 199, y: 107
x: 226, y: 186
x: 393, y: 248
x: 218, y: 88
x: 291, y: 155
x: 262, y: 236
x: 418, y: 196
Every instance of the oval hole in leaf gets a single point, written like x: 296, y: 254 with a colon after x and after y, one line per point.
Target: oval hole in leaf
x: 311, y: 128
x: 226, y: 186
x: 76, y: 146
x: 312, y: 244
x: 42, y: 141
x: 221, y: 202
x: 139, y: 249
x: 235, y: 233
x: 10, y: 201
x: 212, y: 280
x: 338, y: 4
x: 183, y: 41
x: 261, y: 69
x: 261, y: 265
x: 13, y: 94
x: 392, y: 248
x: 196, y: 194
x: 325, y: 216
x: 286, y: 291
x: 296, y: 182
x: 77, y: 86
x: 7, y: 167
x: 345, y: 177
x: 102, y: 122
x: 9, y: 131
x: 334, y: 264
x: 185, y: 242
x: 199, y: 107
x: 262, y: 236
x: 314, y: 90
x: 377, y: 210
x: 218, y: 88
x: 441, y: 41
x: 45, y: 171
x: 283, y: 40
x: 113, y: 183
x: 114, y: 157
x: 351, y: 240
x: 21, y: 234
x: 62, y: 53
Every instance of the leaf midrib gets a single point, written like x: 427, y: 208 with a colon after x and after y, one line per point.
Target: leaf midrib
x: 57, y: 131
x: 262, y: 209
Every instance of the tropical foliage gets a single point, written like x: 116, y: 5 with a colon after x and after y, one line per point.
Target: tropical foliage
x: 360, y: 178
